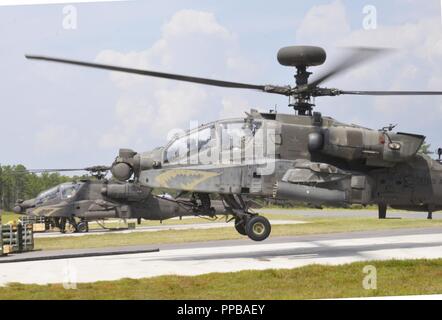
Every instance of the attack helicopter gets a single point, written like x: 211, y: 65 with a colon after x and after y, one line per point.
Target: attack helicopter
x: 80, y: 202
x: 304, y: 156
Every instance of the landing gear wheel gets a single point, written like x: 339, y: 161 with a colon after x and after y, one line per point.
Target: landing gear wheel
x: 82, y: 227
x: 240, y: 227
x: 258, y: 228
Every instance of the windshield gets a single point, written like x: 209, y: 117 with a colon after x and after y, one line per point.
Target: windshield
x: 68, y: 190
x: 235, y: 135
x: 205, y: 144
x: 191, y: 144
x: 48, y: 194
x: 65, y: 191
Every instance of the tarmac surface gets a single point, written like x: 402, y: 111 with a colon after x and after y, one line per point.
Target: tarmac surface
x: 350, y: 213
x: 223, y: 256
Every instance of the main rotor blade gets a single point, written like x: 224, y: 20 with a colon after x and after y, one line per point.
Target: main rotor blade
x: 357, y: 56
x: 178, y: 77
x: 47, y: 170
x: 393, y: 93
x: 91, y: 169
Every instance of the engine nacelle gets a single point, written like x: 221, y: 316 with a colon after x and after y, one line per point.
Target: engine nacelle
x: 129, y: 162
x: 122, y: 171
x: 378, y: 148
x: 127, y: 191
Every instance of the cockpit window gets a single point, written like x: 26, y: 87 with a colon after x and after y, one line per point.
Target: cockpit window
x: 48, y: 195
x: 190, y: 144
x: 69, y: 190
x: 235, y: 135
x: 63, y: 191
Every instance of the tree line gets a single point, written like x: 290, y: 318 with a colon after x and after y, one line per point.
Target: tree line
x: 17, y: 183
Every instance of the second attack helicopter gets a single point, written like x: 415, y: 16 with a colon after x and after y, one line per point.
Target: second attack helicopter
x: 305, y: 157
x: 79, y: 202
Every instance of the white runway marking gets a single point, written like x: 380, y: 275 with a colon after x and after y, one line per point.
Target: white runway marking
x: 229, y: 258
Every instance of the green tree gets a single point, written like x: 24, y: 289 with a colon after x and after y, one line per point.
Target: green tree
x: 17, y: 183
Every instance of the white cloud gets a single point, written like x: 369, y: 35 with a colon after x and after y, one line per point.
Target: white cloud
x: 233, y: 107
x: 414, y: 66
x: 323, y: 24
x: 182, y: 104
x: 190, y: 21
x: 194, y: 43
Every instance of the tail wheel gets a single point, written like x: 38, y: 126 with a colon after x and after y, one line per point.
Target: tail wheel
x: 258, y: 228
x: 240, y: 227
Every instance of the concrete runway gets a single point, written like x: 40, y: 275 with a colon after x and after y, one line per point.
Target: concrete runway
x: 229, y: 256
x: 350, y: 213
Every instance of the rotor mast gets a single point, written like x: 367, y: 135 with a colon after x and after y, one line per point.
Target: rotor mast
x: 301, y: 102
x: 301, y: 57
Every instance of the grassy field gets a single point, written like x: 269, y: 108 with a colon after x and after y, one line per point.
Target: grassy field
x: 9, y: 216
x: 314, y: 226
x: 412, y: 277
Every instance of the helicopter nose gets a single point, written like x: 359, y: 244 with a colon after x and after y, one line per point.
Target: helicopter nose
x: 17, y: 209
x: 22, y: 205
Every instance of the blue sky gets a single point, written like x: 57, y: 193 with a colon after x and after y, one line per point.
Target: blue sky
x: 61, y: 116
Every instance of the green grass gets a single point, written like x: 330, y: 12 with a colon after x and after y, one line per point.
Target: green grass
x: 306, y: 207
x: 409, y: 277
x: 9, y: 216
x: 314, y: 226
x: 146, y: 223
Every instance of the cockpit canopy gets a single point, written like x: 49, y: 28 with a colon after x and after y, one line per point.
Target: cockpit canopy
x: 63, y: 191
x: 194, y: 142
x: 229, y: 135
